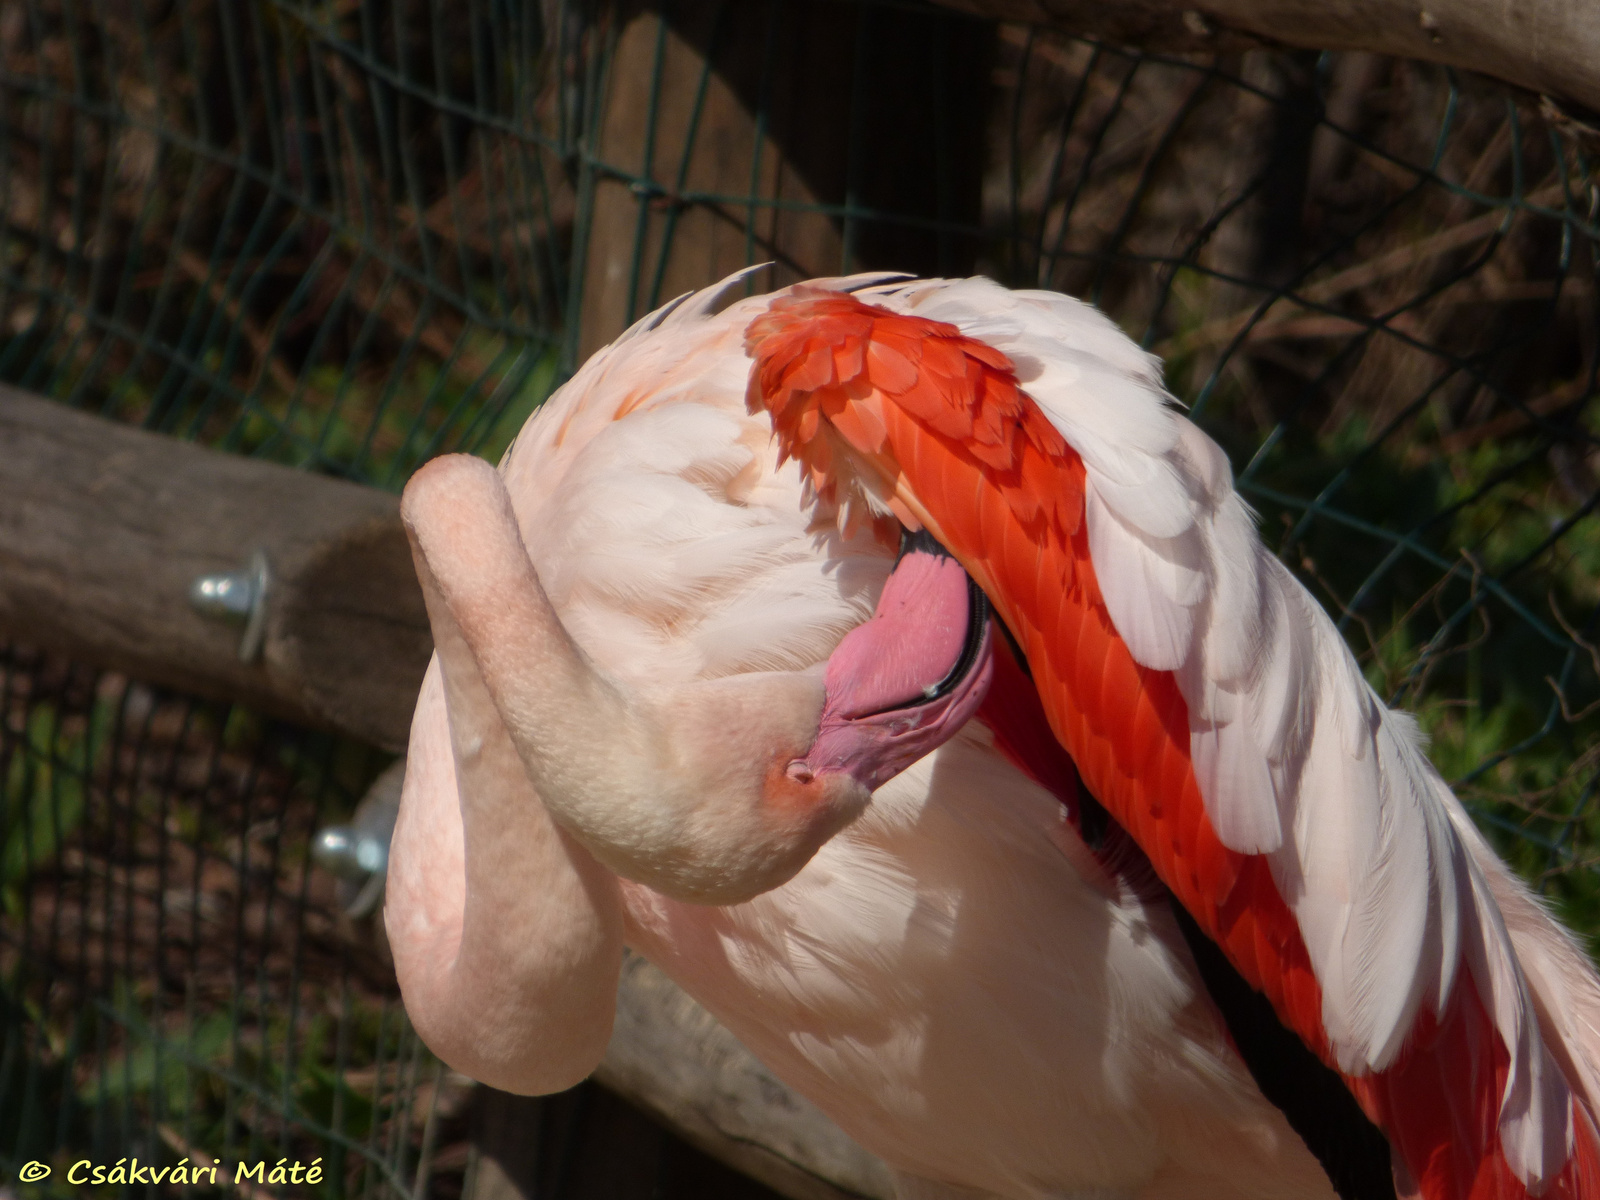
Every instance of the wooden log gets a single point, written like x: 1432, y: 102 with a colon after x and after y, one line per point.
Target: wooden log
x: 504, y: 1162
x: 1547, y: 46
x: 103, y: 529
x: 718, y: 1096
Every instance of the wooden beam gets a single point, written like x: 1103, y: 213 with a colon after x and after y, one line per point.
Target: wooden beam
x: 1548, y: 46
x: 733, y: 133
x: 717, y: 1095
x: 103, y: 529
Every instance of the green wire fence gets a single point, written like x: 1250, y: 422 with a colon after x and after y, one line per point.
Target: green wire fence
x: 354, y: 234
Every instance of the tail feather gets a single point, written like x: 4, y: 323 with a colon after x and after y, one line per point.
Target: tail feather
x: 1561, y: 979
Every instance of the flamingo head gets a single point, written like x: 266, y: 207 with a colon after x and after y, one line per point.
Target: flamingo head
x: 710, y: 790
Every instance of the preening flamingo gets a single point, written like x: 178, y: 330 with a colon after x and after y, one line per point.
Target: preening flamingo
x: 1133, y: 889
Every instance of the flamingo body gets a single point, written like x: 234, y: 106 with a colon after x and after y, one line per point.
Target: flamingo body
x: 625, y: 737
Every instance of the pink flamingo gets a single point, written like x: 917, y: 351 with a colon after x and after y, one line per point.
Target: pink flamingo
x: 1132, y: 889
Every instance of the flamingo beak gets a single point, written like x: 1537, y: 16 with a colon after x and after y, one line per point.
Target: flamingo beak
x: 905, y: 681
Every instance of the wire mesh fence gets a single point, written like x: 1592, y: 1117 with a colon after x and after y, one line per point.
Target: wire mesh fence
x: 351, y: 235
x: 181, y: 987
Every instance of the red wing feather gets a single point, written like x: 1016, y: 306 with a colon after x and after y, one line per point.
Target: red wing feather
x: 937, y: 423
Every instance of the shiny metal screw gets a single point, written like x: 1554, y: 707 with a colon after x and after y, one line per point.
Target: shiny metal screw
x: 238, y: 596
x: 349, y: 853
x: 358, y: 853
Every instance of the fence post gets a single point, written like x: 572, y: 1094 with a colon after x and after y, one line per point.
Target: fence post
x: 734, y: 133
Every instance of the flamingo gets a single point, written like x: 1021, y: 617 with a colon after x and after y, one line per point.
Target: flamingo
x: 891, y: 663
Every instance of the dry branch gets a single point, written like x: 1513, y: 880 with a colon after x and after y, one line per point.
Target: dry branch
x: 1279, y: 321
x: 1547, y: 46
x: 1515, y: 421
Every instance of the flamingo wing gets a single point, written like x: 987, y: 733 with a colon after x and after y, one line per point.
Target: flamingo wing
x: 1206, y: 700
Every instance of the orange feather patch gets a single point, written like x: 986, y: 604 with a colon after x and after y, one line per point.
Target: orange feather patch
x: 937, y: 423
